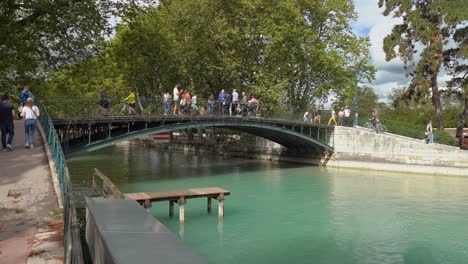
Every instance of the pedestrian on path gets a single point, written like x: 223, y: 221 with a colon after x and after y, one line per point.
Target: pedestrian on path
x: 7, y: 115
x: 30, y: 113
x: 429, y: 133
x: 347, y: 115
x: 333, y: 117
x: 341, y: 116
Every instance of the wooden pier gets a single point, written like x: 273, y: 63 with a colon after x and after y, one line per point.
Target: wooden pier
x: 178, y: 196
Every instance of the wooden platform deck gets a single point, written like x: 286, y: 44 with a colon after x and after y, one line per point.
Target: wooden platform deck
x: 180, y: 197
x: 212, y: 192
x: 147, y: 198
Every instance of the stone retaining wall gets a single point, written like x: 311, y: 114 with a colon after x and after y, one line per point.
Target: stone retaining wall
x: 362, y: 148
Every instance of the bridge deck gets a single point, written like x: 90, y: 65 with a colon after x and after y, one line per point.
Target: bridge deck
x: 212, y: 192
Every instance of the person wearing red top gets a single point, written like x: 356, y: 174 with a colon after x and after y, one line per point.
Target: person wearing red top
x: 188, y: 101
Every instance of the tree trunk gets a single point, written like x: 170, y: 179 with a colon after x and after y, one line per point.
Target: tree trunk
x: 436, y: 102
x: 462, y: 119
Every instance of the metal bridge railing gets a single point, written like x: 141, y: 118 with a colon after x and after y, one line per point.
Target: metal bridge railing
x: 72, y: 243
x: 89, y: 107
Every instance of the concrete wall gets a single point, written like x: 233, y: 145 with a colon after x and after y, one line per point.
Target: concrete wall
x: 362, y: 148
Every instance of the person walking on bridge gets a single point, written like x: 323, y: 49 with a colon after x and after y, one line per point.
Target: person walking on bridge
x: 104, y: 103
x: 131, y: 100
x: 347, y: 115
x: 235, y: 101
x: 333, y: 117
x: 176, y: 100
x: 30, y: 113
x: 7, y: 115
x: 340, y: 116
x: 221, y: 102
x: 25, y: 94
x: 167, y: 103
x: 211, y: 101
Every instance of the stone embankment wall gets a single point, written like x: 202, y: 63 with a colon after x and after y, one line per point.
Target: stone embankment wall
x: 361, y: 148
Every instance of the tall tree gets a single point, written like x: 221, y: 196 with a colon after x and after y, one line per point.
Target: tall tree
x: 39, y: 35
x: 426, y: 25
x: 455, y: 62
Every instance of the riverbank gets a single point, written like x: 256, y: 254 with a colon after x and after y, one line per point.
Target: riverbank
x: 355, y: 148
x: 360, y: 148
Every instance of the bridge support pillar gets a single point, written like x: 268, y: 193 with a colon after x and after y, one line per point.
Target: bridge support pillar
x: 209, y: 204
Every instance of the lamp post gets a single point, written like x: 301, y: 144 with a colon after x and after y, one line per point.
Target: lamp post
x: 356, y: 104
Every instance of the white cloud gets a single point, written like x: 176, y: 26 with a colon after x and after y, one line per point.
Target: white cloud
x: 390, y: 74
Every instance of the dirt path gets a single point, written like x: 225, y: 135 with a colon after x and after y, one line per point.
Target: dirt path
x: 30, y: 227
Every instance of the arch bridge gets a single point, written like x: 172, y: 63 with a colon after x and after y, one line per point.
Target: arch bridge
x: 79, y: 135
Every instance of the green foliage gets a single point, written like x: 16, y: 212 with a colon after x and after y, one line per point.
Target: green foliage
x: 36, y: 36
x: 396, y: 126
x: 285, y: 52
x: 429, y: 24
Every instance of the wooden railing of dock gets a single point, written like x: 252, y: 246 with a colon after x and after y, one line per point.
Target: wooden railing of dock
x: 106, y: 188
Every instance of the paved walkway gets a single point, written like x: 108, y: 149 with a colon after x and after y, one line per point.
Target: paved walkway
x: 30, y: 222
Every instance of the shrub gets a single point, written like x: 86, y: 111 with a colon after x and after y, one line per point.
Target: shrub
x: 417, y: 131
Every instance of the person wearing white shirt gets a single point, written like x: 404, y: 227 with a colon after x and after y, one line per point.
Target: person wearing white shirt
x: 176, y: 99
x: 235, y: 100
x: 30, y: 113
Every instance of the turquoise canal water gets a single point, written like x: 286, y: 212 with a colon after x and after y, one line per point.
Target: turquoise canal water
x: 286, y: 213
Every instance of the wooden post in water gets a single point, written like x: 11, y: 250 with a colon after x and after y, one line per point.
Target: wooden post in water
x: 209, y: 204
x: 181, y: 209
x: 147, y: 204
x: 171, y: 208
x: 221, y: 205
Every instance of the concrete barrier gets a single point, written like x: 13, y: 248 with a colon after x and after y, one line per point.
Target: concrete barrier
x: 362, y: 148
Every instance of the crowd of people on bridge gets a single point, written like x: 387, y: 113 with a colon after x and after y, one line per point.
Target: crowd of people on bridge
x: 228, y: 103
x: 181, y: 102
x: 27, y: 110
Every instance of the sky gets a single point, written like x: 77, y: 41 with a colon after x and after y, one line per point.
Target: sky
x: 373, y: 24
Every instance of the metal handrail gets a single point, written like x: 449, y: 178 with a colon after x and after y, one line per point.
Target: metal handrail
x: 72, y: 243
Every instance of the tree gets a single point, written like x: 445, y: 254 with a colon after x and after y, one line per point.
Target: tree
x: 36, y: 36
x: 276, y: 49
x: 455, y: 64
x: 426, y: 23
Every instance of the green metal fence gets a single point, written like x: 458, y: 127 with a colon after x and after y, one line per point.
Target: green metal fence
x: 72, y: 244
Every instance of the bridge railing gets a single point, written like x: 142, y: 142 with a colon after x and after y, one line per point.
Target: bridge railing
x: 72, y: 243
x: 64, y: 107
